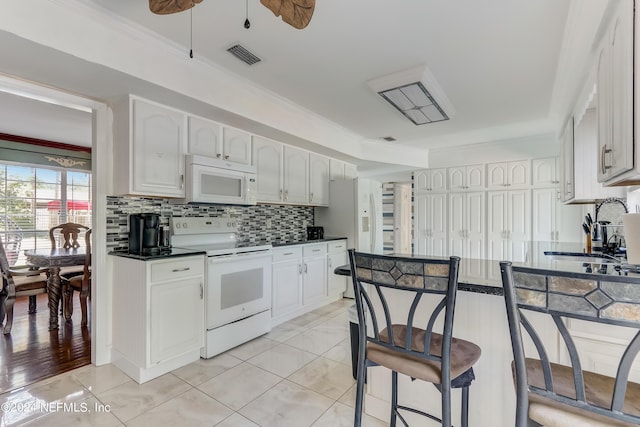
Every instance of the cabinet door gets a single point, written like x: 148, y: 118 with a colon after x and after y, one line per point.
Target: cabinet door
x: 296, y: 175
x: 457, y: 178
x: 544, y: 215
x: 350, y: 171
x: 314, y: 282
x: 158, y: 150
x: 336, y: 283
x: 545, y: 172
x: 518, y: 174
x: 438, y: 180
x: 236, y: 146
x: 603, y: 70
x: 430, y: 225
x: 286, y: 287
x: 518, y: 225
x: 568, y: 172
x: 496, y: 225
x: 474, y: 177
x: 421, y: 181
x: 457, y: 224
x: 318, y: 180
x: 204, y: 137
x: 176, y: 318
x: 497, y: 175
x: 621, y: 117
x: 475, y: 212
x: 336, y: 170
x: 267, y: 157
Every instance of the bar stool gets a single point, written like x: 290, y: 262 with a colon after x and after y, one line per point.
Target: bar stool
x: 556, y: 395
x: 392, y: 338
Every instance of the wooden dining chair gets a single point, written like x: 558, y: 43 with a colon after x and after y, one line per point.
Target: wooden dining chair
x: 18, y: 282
x: 67, y: 236
x: 72, y: 281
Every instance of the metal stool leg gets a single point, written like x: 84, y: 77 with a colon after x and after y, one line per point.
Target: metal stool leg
x: 32, y: 304
x: 464, y: 417
x: 394, y: 398
x: 362, y: 370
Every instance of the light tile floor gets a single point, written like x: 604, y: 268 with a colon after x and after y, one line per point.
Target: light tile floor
x: 298, y: 375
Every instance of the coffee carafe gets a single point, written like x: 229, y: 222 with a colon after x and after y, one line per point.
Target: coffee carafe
x: 144, y: 234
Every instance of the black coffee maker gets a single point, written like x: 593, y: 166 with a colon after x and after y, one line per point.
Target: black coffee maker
x: 144, y: 234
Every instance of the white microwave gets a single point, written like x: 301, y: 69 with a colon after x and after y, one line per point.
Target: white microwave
x: 209, y: 180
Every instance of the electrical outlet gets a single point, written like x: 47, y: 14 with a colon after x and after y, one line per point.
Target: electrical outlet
x: 268, y: 224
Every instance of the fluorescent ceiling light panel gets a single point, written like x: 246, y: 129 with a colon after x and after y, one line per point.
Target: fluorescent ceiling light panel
x: 416, y: 94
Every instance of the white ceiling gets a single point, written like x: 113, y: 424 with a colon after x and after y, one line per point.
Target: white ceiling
x: 496, y: 60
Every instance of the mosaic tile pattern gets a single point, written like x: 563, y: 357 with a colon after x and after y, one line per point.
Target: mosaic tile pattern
x: 615, y: 299
x: 418, y: 274
x: 288, y: 223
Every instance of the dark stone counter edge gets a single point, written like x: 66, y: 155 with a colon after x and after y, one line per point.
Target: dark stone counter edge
x: 306, y: 242
x: 172, y: 254
x: 345, y: 270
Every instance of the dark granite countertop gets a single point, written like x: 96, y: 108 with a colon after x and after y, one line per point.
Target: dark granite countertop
x: 304, y: 242
x: 483, y: 276
x: 165, y: 253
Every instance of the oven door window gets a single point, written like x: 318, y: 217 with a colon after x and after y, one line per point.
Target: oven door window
x: 238, y: 287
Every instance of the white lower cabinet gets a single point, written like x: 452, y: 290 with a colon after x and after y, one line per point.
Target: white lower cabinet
x: 336, y: 257
x: 302, y: 279
x: 158, y: 322
x: 314, y: 273
x: 287, y: 281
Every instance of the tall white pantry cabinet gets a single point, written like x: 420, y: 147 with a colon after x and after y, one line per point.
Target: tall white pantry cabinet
x: 497, y: 220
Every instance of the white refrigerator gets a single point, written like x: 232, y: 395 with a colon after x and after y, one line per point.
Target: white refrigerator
x: 354, y: 212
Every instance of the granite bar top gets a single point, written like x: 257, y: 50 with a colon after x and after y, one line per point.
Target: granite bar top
x: 165, y: 253
x: 483, y: 276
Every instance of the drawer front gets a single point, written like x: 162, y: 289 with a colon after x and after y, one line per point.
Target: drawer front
x: 338, y: 246
x: 287, y: 254
x: 177, y: 268
x: 314, y: 250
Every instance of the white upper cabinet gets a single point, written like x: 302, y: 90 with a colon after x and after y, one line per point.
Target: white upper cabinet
x: 318, y: 180
x: 296, y: 175
x: 336, y: 170
x: 508, y: 174
x: 211, y: 139
x: 149, y: 148
x: 430, y: 224
x: 615, y: 96
x: 204, y: 137
x: 430, y: 180
x: 350, y: 171
x: 267, y: 157
x: 236, y: 146
x: 545, y: 172
x: 466, y: 178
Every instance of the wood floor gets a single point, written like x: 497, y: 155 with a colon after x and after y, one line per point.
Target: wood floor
x: 31, y: 353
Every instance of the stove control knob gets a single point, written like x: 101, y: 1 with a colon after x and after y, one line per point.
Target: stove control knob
x: 184, y: 225
x: 177, y: 225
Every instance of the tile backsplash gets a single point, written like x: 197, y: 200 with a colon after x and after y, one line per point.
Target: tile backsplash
x: 287, y: 223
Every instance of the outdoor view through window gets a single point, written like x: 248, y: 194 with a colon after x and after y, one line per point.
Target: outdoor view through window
x: 34, y: 199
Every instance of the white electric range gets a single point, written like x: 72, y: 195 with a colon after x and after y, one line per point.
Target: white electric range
x: 237, y: 284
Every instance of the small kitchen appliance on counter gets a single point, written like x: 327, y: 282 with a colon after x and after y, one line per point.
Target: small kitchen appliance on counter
x: 315, y: 233
x: 144, y: 234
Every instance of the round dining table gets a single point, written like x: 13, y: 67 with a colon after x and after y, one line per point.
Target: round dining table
x: 54, y: 260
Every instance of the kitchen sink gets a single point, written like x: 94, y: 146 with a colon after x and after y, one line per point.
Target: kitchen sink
x: 583, y: 257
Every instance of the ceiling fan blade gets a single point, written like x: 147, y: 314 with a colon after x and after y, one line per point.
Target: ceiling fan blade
x: 296, y: 13
x: 166, y: 7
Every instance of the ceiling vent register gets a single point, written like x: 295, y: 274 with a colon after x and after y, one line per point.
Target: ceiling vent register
x: 243, y: 54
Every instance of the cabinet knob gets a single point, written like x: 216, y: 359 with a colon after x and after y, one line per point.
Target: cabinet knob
x: 226, y: 157
x: 218, y: 155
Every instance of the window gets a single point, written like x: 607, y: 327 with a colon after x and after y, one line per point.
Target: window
x: 36, y: 198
